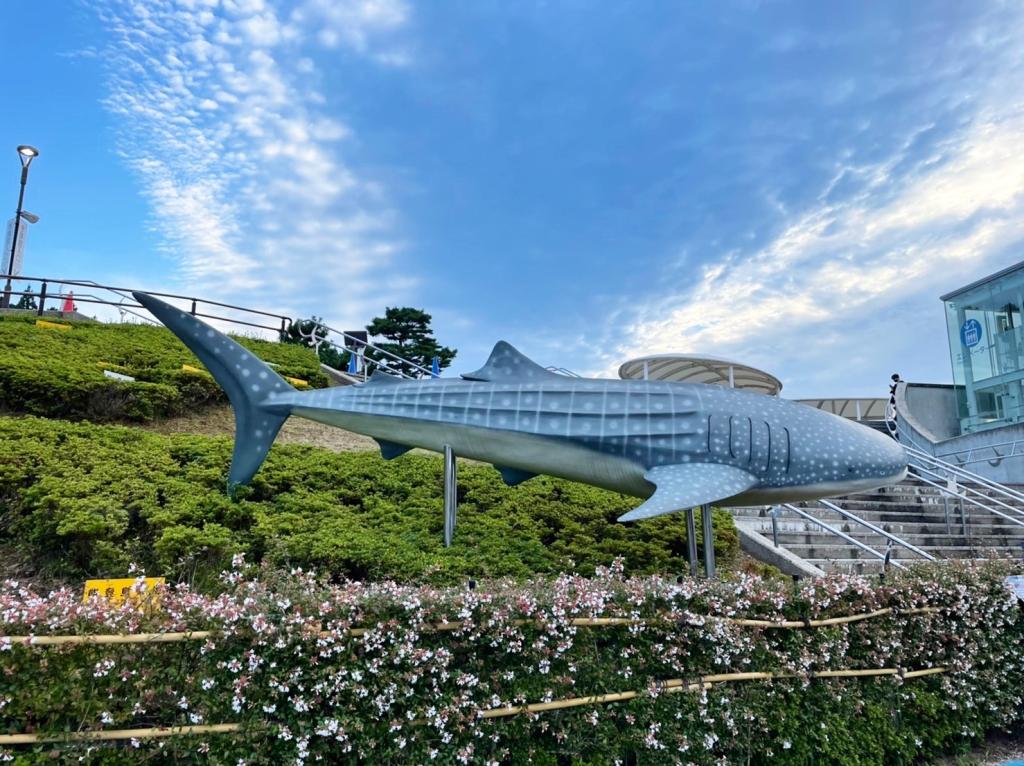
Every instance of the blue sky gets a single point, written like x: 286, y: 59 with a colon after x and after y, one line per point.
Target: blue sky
x: 789, y: 184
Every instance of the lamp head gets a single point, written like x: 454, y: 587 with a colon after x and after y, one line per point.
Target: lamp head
x: 30, y: 217
x: 27, y: 153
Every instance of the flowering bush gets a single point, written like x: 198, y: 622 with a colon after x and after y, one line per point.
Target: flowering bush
x: 283, y: 663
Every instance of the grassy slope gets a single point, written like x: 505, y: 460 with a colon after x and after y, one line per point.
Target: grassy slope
x: 58, y: 373
x: 82, y: 499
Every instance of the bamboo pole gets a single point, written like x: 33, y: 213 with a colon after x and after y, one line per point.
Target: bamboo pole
x: 122, y: 638
x: 440, y: 627
x: 115, y: 734
x: 598, y: 699
x: 677, y: 685
x: 672, y: 686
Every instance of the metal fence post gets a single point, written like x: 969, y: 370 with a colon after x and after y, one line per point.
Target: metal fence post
x: 450, y: 495
x: 193, y: 307
x: 42, y: 299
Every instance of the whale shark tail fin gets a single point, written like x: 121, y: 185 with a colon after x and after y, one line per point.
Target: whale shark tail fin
x: 250, y: 384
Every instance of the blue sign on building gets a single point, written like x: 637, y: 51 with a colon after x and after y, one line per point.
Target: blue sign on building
x: 970, y: 333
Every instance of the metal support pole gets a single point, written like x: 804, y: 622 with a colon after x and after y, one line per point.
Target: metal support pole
x: 42, y: 299
x: 709, y: 541
x: 691, y: 542
x: 450, y: 495
x: 14, y: 239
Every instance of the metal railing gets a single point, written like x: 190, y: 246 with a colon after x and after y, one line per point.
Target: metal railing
x: 843, y: 536
x: 849, y: 516
x: 563, y: 371
x: 954, y: 480
x: 1013, y: 449
x: 121, y: 299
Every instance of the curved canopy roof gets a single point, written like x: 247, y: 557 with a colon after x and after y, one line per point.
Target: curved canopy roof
x: 863, y: 408
x: 699, y: 368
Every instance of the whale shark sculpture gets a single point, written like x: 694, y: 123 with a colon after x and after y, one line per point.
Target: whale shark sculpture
x: 679, y: 445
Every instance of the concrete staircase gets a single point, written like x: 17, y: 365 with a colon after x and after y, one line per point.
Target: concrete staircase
x: 913, y: 510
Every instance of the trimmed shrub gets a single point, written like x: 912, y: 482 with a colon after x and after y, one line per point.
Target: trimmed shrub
x: 283, y: 664
x: 59, y: 374
x: 81, y: 499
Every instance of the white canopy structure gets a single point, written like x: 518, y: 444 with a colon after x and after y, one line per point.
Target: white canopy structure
x: 700, y: 368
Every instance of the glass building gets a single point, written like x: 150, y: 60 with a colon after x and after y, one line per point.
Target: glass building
x: 986, y: 345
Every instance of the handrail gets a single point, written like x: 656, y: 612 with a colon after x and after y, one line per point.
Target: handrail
x: 878, y: 530
x: 394, y: 363
x: 970, y: 500
x: 365, y: 344
x: 563, y: 371
x: 938, y: 474
x: 121, y: 290
x: 956, y: 470
x: 945, y: 470
x: 969, y: 453
x: 839, y: 533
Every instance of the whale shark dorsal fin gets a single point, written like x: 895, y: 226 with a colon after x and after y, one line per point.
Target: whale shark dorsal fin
x: 381, y: 378
x: 687, y: 485
x: 506, y: 363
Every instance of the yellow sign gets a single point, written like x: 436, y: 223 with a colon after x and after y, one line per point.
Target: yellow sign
x: 51, y: 325
x: 118, y: 591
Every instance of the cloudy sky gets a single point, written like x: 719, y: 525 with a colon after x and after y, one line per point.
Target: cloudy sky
x: 788, y: 184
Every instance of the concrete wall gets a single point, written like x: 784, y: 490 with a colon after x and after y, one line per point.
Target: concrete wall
x: 933, y: 408
x: 927, y: 418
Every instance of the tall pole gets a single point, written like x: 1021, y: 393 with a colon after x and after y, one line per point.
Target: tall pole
x: 26, y: 154
x: 691, y: 542
x: 709, y: 541
x: 450, y: 495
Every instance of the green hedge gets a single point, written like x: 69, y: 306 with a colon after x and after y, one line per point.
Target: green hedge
x: 59, y: 373
x: 283, y: 665
x: 82, y: 499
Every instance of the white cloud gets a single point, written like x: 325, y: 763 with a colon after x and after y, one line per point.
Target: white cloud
x: 352, y: 23
x: 222, y: 118
x: 855, y: 282
x: 838, y: 264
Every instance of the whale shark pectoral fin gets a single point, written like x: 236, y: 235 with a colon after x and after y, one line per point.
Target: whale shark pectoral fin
x: 513, y: 476
x: 688, y: 485
x: 391, y: 450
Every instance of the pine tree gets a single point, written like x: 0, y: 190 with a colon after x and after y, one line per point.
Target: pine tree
x: 407, y: 333
x: 27, y: 301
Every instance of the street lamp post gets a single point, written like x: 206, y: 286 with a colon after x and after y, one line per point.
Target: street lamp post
x: 26, y: 154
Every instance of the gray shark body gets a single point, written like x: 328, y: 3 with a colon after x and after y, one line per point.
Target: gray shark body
x: 678, y: 445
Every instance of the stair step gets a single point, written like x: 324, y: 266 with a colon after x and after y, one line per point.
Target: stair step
x: 827, y: 551
x: 914, y: 511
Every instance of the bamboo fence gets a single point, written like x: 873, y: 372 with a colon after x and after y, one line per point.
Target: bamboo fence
x: 672, y: 686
